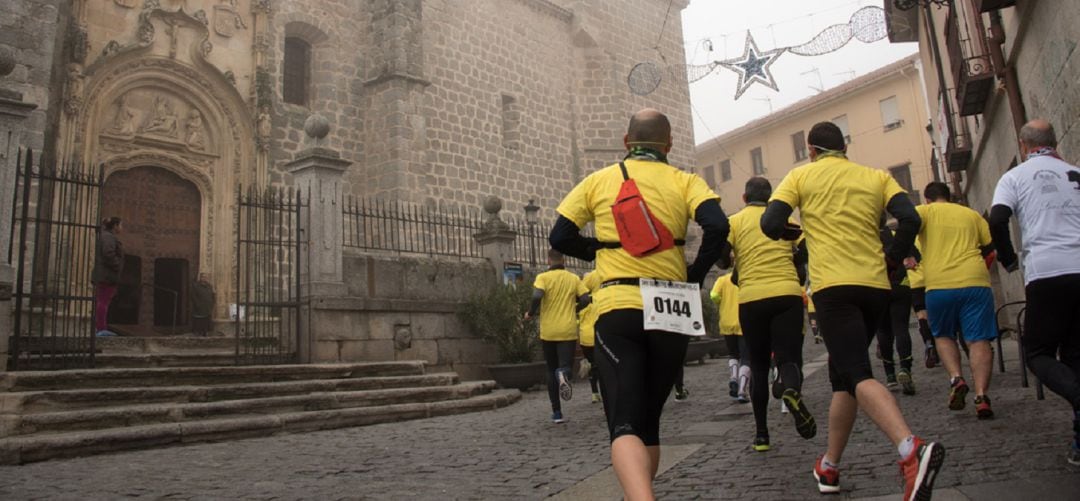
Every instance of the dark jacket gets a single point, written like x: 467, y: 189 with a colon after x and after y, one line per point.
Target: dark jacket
x: 108, y: 260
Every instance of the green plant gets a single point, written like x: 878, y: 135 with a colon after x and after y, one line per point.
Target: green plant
x: 496, y: 316
x: 710, y: 314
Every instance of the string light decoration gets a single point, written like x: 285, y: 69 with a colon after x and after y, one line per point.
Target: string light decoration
x: 866, y: 25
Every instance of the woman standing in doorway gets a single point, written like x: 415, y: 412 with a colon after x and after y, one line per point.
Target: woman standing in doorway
x: 108, y: 264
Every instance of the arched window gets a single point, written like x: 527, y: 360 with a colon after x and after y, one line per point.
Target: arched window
x: 296, y: 71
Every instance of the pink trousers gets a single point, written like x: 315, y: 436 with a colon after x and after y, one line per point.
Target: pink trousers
x: 104, y: 294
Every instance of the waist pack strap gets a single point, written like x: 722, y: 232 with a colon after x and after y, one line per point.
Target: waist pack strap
x: 617, y: 245
x: 625, y: 175
x: 621, y: 281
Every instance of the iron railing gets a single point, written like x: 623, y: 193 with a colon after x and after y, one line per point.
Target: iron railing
x: 54, y: 231
x: 400, y: 227
x: 531, y: 245
x: 269, y: 250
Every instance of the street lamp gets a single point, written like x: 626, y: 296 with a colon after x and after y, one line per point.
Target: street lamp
x: 532, y: 217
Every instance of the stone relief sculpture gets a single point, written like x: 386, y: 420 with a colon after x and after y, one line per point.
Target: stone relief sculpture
x: 264, y: 127
x: 163, y: 121
x: 124, y: 121
x: 196, y: 136
x: 227, y: 19
x: 127, y: 4
x: 73, y: 96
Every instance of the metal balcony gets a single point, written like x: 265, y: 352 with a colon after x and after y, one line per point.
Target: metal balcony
x: 972, y: 69
x: 992, y: 5
x: 958, y: 149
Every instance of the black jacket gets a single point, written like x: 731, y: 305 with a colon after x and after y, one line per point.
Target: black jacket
x: 108, y: 260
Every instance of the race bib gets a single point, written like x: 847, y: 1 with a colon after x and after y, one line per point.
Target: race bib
x: 672, y: 307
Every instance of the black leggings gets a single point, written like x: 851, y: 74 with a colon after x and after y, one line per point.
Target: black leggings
x: 593, y: 373
x: 736, y: 347
x: 772, y: 326
x: 848, y: 315
x: 557, y: 355
x: 1052, y: 326
x: 637, y: 371
x: 894, y: 328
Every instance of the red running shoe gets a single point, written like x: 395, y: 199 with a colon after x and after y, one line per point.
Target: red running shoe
x: 920, y: 469
x: 957, y: 394
x: 828, y: 479
x: 982, y: 407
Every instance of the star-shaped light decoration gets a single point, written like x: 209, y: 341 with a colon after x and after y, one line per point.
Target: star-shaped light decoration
x: 753, y: 66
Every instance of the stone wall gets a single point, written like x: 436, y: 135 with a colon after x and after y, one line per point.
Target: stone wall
x: 403, y: 309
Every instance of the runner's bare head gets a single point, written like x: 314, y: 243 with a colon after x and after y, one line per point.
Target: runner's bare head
x: 1038, y: 133
x: 937, y: 192
x: 823, y: 137
x: 554, y: 257
x: 649, y: 129
x: 758, y: 189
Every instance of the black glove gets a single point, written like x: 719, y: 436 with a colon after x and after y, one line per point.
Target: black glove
x: 791, y: 232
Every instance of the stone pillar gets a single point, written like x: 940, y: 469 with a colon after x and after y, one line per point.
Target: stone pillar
x: 496, y: 238
x: 318, y: 171
x: 13, y: 114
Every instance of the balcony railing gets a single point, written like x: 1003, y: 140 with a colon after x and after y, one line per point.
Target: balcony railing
x: 958, y: 149
x: 972, y: 69
x: 992, y: 5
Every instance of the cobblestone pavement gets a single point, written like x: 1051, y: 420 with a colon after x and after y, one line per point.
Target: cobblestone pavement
x: 516, y: 452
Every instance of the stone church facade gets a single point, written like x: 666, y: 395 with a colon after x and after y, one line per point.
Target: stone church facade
x: 432, y: 101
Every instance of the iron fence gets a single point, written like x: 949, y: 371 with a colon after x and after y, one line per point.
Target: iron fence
x: 531, y: 245
x: 54, y: 230
x: 270, y: 250
x: 396, y: 226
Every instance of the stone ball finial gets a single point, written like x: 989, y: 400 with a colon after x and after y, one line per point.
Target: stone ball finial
x: 492, y: 204
x: 7, y: 60
x: 317, y: 126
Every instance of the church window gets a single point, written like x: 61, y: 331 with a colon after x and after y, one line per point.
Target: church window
x: 296, y: 70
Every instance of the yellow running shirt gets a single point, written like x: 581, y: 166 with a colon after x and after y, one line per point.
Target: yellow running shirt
x: 766, y: 266
x: 726, y: 296
x: 840, y: 202
x: 587, y: 316
x: 950, y: 241
x: 558, y: 308
x: 673, y: 197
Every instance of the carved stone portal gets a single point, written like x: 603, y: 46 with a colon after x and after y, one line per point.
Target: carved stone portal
x: 227, y: 19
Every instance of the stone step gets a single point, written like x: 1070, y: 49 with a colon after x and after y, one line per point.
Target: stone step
x: 139, y: 415
x: 25, y: 449
x: 175, y: 359
x: 173, y: 376
x: 37, y: 401
x: 165, y: 344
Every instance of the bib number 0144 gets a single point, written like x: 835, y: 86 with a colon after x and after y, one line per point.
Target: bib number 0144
x: 672, y: 307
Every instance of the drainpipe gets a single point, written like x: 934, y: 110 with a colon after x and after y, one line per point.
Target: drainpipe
x: 1006, y: 73
x: 943, y: 93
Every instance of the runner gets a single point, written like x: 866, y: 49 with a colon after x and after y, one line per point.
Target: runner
x: 811, y: 314
x: 958, y: 292
x: 918, y: 305
x: 726, y: 296
x: 893, y: 328
x: 770, y: 311
x: 587, y: 337
x: 1044, y: 193
x: 555, y: 298
x: 638, y: 364
x: 840, y: 202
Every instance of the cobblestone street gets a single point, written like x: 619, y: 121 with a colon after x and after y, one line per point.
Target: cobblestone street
x: 516, y: 452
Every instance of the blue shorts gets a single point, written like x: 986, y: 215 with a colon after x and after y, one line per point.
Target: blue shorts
x: 971, y: 309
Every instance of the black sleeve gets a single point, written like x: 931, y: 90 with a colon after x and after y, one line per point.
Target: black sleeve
x: 908, y: 224
x: 566, y: 238
x: 715, y: 225
x: 534, y: 304
x: 801, y: 257
x: 999, y: 231
x: 735, y: 276
x: 775, y: 218
x: 584, y: 301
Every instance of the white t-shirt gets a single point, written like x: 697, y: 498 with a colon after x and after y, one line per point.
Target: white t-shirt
x: 1044, y: 194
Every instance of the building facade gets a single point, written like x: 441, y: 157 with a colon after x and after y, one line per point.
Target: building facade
x: 185, y: 102
x: 883, y: 115
x: 991, y: 65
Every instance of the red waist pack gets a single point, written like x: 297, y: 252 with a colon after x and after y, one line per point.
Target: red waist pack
x: 640, y: 233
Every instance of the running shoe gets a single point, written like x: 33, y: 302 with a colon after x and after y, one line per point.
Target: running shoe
x: 1073, y: 457
x: 566, y: 390
x: 932, y: 359
x: 556, y: 417
x: 804, y: 421
x: 982, y: 407
x: 105, y: 333
x: 681, y: 394
x: 783, y: 408
x: 596, y: 398
x: 774, y: 379
x: 890, y: 381
x: 828, y: 479
x: 733, y: 388
x: 907, y: 385
x: 957, y: 394
x: 761, y: 443
x: 920, y: 469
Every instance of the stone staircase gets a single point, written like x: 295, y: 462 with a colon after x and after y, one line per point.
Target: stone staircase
x: 56, y: 414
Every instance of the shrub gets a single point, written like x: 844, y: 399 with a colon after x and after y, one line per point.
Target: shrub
x: 496, y: 316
